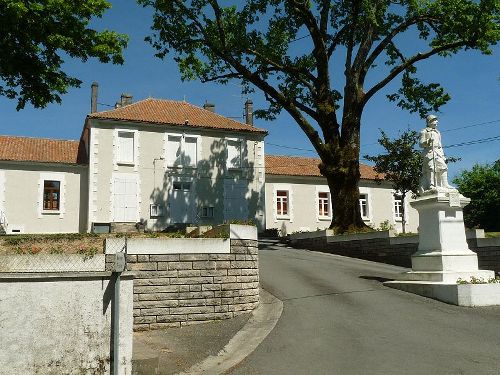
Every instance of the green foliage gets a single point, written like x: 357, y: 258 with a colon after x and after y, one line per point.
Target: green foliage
x: 33, y: 35
x: 482, y: 185
x: 478, y: 280
x: 400, y: 163
x: 18, y: 239
x: 385, y: 225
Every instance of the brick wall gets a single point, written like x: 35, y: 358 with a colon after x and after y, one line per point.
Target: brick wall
x: 177, y: 289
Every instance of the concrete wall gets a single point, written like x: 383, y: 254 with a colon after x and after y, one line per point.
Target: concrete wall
x: 209, y: 179
x: 384, y: 248
x: 21, y: 197
x: 175, y: 285
x: 61, y: 323
x: 303, y: 193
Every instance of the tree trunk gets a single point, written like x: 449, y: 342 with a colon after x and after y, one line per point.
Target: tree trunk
x: 340, y: 166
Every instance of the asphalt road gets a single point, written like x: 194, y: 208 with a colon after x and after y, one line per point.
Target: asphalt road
x: 338, y: 318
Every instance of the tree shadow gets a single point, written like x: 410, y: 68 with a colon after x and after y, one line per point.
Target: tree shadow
x: 207, y: 191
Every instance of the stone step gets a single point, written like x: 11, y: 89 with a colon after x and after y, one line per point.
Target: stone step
x: 124, y: 228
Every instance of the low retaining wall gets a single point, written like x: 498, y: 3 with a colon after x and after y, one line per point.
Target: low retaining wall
x: 382, y: 247
x: 181, y: 281
x: 60, y: 323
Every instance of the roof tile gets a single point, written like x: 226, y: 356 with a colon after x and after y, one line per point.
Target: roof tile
x: 41, y: 150
x: 170, y: 112
x: 300, y: 166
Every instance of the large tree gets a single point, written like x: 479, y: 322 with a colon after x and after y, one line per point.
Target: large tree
x: 311, y: 58
x: 33, y: 36
x: 400, y: 164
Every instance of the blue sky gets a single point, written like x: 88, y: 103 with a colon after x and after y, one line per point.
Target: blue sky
x: 471, y: 79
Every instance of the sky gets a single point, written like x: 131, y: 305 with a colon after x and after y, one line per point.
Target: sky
x: 472, y: 79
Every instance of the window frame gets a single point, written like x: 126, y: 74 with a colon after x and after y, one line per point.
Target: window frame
x: 156, y: 210
x: 44, y: 189
x: 319, y: 203
x: 364, y: 197
x: 207, y: 212
x: 397, y: 208
x: 286, y: 200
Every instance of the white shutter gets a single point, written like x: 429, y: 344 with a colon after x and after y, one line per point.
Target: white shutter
x: 233, y: 154
x: 190, y: 151
x: 126, y: 147
x: 173, y: 151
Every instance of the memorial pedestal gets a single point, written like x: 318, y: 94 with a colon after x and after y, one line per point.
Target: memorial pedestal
x: 443, y: 255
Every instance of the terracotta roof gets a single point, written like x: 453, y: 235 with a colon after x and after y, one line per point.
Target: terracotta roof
x: 300, y: 166
x: 170, y: 112
x: 41, y: 150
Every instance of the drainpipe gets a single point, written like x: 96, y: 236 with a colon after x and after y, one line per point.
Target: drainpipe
x: 120, y: 264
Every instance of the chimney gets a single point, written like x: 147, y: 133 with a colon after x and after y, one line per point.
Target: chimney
x: 93, y: 97
x: 125, y: 99
x: 249, y: 112
x: 209, y: 107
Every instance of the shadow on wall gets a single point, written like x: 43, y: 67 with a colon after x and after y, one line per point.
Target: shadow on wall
x: 209, y: 194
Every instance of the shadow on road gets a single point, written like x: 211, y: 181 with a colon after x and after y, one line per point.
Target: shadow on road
x: 376, y: 278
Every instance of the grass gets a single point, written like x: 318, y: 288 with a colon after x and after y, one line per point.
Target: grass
x: 492, y: 234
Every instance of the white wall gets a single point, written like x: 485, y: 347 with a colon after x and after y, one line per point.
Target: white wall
x: 209, y: 181
x: 61, y: 324
x: 21, y: 197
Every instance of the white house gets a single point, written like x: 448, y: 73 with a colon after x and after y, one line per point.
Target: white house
x: 298, y: 197
x: 158, y: 162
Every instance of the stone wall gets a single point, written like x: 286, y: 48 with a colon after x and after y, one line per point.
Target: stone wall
x: 382, y: 247
x: 179, y: 286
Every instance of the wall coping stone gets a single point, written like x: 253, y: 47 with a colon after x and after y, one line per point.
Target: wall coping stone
x: 5, y: 276
x: 358, y: 236
x: 308, y: 235
x: 400, y: 240
x: 242, y: 232
x: 157, y: 246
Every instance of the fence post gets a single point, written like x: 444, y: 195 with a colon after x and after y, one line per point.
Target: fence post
x: 120, y: 264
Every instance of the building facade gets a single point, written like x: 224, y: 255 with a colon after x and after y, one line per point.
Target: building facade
x: 153, y: 162
x: 298, y: 198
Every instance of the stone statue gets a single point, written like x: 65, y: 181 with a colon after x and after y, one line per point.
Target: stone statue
x: 434, y: 168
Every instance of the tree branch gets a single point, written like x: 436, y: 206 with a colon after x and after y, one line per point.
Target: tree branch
x: 408, y: 63
x: 388, y: 39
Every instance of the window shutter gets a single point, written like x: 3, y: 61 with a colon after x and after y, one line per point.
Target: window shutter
x: 190, y: 152
x: 126, y: 147
x: 173, y: 151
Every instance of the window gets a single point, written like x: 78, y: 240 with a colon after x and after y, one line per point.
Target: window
x: 156, y: 210
x: 125, y: 148
x: 398, y: 207
x: 207, y: 212
x: 233, y: 154
x: 323, y: 204
x: 51, y: 195
x: 282, y: 202
x: 184, y: 186
x: 363, y: 205
x: 182, y: 151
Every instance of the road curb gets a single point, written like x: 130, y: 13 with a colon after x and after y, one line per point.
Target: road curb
x: 260, y: 324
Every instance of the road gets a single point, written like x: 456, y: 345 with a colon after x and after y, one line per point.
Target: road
x: 338, y: 318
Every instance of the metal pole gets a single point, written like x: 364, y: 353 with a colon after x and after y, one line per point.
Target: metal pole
x: 116, y: 325
x: 120, y: 263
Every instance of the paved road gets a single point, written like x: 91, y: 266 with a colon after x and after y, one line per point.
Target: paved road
x: 338, y: 318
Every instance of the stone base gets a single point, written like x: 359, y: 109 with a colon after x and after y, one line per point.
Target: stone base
x: 458, y: 261
x: 469, y: 295
x: 445, y: 276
